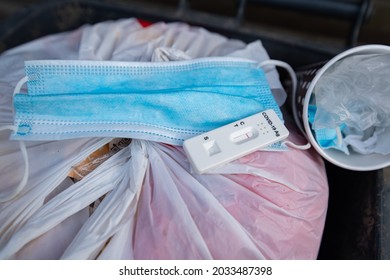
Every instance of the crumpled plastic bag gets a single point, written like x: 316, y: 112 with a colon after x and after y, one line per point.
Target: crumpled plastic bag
x: 257, y: 208
x: 105, y: 178
x: 355, y: 91
x: 249, y: 212
x: 266, y: 205
x: 354, y: 94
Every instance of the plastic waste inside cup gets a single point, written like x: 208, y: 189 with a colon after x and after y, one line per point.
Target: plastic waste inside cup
x: 353, y: 161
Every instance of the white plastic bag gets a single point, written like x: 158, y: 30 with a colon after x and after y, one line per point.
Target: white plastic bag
x: 188, y: 221
x: 49, y: 166
x: 52, y: 244
x: 266, y: 205
x: 67, y: 203
x: 117, y: 208
x: 355, y: 91
x: 353, y: 96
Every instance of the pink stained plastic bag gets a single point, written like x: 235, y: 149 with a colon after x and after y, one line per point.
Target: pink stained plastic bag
x: 268, y: 205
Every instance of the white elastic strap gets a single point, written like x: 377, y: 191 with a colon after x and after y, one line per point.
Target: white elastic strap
x: 294, y: 83
x: 298, y: 147
x: 23, y: 182
x: 19, y: 85
x: 17, y: 89
x: 288, y: 68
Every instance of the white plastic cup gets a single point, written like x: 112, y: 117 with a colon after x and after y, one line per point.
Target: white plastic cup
x: 307, y: 82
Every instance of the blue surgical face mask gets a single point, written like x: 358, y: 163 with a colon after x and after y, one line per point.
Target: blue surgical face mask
x: 166, y: 102
x: 160, y: 101
x: 328, y: 138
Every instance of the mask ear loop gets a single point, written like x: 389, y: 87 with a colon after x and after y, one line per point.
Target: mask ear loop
x: 18, y: 88
x: 23, y: 150
x: 294, y: 83
x: 298, y: 147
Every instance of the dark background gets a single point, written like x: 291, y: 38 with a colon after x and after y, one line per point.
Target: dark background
x: 375, y: 30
